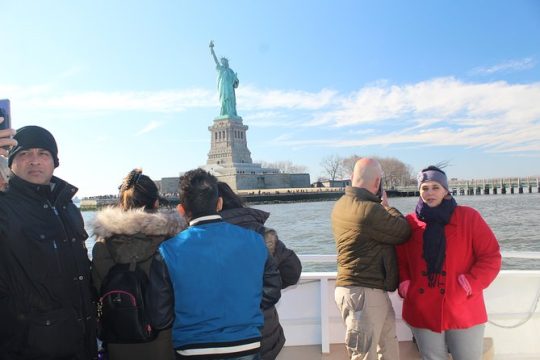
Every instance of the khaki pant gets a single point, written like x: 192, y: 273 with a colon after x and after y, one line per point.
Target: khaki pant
x: 370, y: 321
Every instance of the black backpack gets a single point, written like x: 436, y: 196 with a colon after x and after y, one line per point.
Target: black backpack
x: 122, y: 315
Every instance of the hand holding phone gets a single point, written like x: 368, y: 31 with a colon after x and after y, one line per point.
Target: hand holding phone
x: 5, y: 112
x: 4, y: 173
x: 5, y: 123
x: 380, y: 190
x: 382, y: 194
x: 384, y: 199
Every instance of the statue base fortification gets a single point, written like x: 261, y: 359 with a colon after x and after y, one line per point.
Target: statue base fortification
x: 229, y: 159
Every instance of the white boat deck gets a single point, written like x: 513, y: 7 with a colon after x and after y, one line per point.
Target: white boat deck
x: 338, y: 352
x: 315, y: 330
x: 407, y: 351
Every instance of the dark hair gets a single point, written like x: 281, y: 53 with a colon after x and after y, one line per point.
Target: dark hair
x: 230, y: 199
x: 198, y: 193
x: 137, y: 191
x: 435, y: 168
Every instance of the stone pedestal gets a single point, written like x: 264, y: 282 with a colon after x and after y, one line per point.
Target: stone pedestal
x: 229, y: 142
x: 229, y: 159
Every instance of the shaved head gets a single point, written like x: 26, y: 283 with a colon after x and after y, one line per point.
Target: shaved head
x: 365, y: 174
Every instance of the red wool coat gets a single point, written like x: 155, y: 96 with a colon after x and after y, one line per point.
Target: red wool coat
x: 472, y: 250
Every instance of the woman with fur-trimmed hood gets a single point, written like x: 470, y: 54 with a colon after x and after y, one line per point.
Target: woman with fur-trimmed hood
x: 133, y: 231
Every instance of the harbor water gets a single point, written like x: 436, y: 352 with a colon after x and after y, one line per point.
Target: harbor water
x: 305, y: 227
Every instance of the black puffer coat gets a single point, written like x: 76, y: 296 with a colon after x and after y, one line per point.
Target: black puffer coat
x: 46, y: 307
x: 289, y: 266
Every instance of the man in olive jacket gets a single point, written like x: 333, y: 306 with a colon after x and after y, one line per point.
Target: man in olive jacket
x: 366, y: 230
x: 46, y: 307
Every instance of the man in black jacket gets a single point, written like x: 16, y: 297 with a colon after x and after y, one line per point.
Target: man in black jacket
x: 46, y: 304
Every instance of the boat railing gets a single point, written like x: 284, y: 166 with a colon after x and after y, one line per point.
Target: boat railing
x: 332, y: 258
x: 323, y: 325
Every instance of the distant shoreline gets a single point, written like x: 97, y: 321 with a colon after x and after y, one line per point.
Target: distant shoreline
x: 254, y: 197
x: 272, y: 196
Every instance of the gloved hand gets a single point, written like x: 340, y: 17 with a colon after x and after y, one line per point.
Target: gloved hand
x: 462, y: 280
x: 403, y: 288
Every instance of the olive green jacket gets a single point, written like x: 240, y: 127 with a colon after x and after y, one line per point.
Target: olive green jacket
x: 366, y: 234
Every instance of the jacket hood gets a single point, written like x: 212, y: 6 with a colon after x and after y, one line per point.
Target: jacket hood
x: 245, y: 217
x: 252, y: 219
x: 115, y: 221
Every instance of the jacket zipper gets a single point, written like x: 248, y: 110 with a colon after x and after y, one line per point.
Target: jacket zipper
x: 85, y: 311
x: 55, y: 244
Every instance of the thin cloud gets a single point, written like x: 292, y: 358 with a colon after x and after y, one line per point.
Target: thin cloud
x: 268, y: 119
x: 151, y: 126
x: 253, y: 98
x: 362, y: 132
x: 161, y: 101
x: 440, y: 99
x: 493, y: 116
x: 507, y: 66
x: 172, y: 101
x: 70, y: 72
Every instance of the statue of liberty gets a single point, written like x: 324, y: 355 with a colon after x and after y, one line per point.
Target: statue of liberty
x: 227, y: 81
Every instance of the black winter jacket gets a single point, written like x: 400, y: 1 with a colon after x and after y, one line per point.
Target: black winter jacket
x: 46, y: 305
x: 288, y: 264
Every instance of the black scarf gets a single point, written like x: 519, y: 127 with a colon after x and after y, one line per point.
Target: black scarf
x: 434, y: 238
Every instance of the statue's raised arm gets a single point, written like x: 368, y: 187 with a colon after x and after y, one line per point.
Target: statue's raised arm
x: 213, y: 53
x: 227, y: 81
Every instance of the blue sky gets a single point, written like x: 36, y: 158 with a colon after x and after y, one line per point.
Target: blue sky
x: 124, y: 84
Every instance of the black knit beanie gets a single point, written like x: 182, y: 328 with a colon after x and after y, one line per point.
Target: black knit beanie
x: 30, y: 137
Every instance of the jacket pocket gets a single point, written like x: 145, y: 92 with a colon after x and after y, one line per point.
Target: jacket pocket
x: 54, y: 334
x: 44, y: 252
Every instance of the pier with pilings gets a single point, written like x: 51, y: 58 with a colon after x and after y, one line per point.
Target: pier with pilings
x: 509, y: 185
x: 495, y: 186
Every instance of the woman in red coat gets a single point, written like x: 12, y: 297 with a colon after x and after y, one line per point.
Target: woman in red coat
x: 451, y: 257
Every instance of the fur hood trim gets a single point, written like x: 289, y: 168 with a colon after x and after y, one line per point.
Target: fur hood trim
x: 270, y: 239
x: 115, y: 221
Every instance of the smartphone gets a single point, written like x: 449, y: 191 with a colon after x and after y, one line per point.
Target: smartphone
x: 5, y: 112
x: 380, y: 191
x: 4, y: 172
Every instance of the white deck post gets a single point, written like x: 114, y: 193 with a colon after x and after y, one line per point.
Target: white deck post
x: 325, y: 321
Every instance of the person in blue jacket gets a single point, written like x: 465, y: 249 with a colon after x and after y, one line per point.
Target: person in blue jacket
x: 213, y: 280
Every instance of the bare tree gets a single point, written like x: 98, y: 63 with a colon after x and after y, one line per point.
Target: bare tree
x: 396, y: 172
x: 286, y: 167
x: 348, y: 165
x: 411, y: 176
x: 332, y: 166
